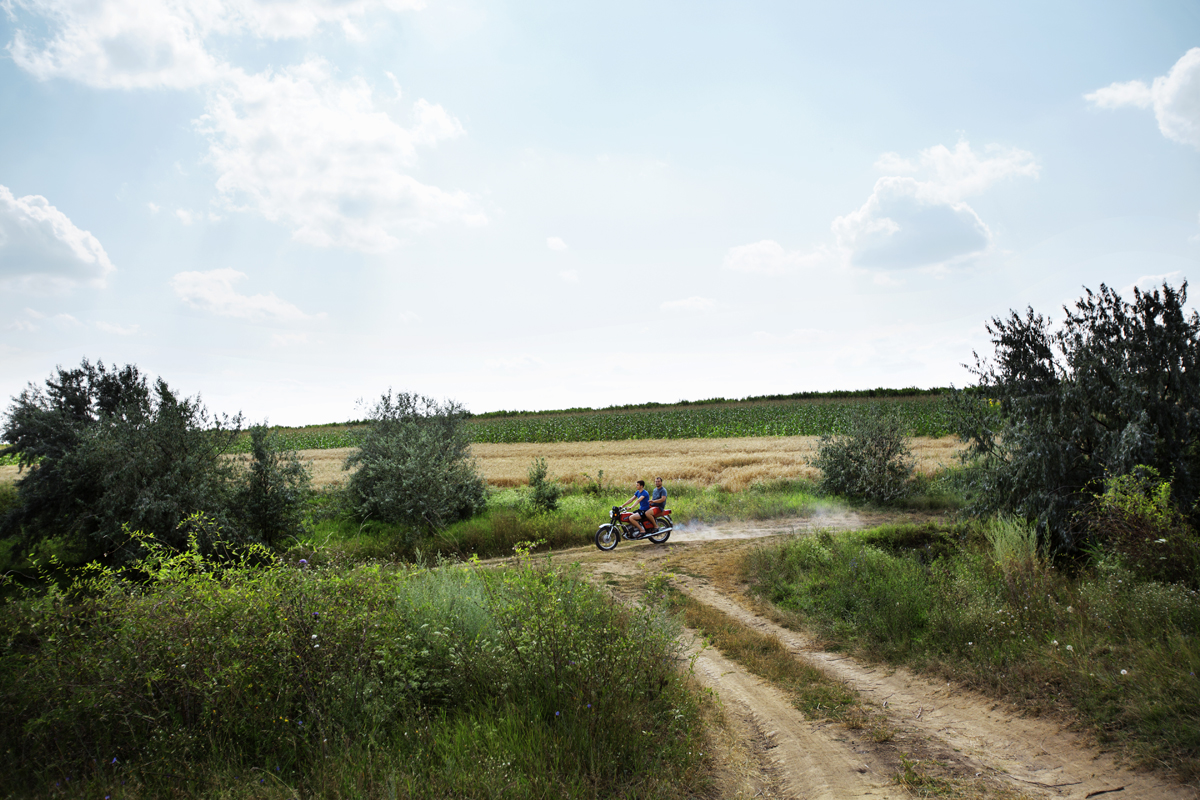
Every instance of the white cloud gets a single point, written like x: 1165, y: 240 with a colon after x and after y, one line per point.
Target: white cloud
x: 185, y: 216
x: 154, y: 207
x: 688, y: 304
x: 288, y: 339
x: 555, y: 243
x: 769, y: 258
x: 924, y: 221
x: 119, y: 330
x: 1175, y: 98
x: 1148, y: 283
x: 569, y: 276
x: 41, y: 248
x: 134, y: 44
x: 315, y: 154
x: 33, y: 317
x: 213, y: 292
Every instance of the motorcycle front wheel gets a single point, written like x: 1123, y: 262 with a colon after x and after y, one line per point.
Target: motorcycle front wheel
x: 662, y: 536
x: 607, y: 537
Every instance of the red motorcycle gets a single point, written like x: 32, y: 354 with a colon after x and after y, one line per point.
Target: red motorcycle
x: 619, y: 527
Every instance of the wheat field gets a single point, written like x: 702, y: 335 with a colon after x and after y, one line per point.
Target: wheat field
x: 733, y: 463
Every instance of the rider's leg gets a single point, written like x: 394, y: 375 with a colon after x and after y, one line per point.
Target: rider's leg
x: 651, y: 522
x: 636, y: 519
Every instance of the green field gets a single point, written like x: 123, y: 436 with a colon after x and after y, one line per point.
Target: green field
x: 923, y: 414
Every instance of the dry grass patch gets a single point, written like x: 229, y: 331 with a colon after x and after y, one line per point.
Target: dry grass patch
x: 734, y: 463
x: 8, y: 473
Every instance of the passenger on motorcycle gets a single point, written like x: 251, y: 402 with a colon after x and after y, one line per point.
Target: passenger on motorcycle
x: 643, y: 499
x: 658, y: 501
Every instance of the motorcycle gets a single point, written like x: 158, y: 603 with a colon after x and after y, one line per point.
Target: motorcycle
x: 619, y: 527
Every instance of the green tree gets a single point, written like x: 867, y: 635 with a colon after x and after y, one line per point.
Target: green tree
x: 415, y: 464
x: 545, y: 492
x: 873, y: 462
x: 1057, y: 410
x: 101, y: 448
x: 270, y: 495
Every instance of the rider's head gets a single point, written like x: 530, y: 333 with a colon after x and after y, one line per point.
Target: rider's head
x: 657, y: 481
x: 641, y: 484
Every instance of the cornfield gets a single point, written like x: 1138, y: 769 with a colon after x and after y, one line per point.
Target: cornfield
x: 925, y: 416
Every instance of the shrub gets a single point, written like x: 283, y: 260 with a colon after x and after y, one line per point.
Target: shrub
x: 1116, y: 386
x: 545, y: 492
x: 415, y: 465
x: 269, y: 501
x: 1135, y: 519
x: 873, y: 462
x: 103, y: 450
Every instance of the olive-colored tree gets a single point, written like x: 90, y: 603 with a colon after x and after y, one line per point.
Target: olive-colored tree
x: 415, y: 464
x: 1056, y: 410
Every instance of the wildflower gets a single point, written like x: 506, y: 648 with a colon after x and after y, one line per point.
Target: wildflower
x: 304, y: 562
x: 1124, y: 672
x: 1055, y: 642
x: 314, y: 636
x: 1070, y: 649
x: 1070, y: 610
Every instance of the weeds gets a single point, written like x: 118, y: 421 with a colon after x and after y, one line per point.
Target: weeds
x: 334, y: 680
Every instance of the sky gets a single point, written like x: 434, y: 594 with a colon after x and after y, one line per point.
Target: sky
x: 289, y: 208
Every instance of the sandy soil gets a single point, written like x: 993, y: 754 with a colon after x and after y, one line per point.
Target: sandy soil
x: 970, y: 736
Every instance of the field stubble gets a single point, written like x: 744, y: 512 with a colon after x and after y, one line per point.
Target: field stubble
x: 735, y: 463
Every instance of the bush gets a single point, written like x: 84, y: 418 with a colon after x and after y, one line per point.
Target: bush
x: 271, y: 495
x: 545, y: 492
x: 873, y: 462
x: 1116, y: 386
x: 1135, y: 519
x: 415, y: 465
x: 102, y: 450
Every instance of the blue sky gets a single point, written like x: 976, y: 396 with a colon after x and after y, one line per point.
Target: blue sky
x: 289, y: 206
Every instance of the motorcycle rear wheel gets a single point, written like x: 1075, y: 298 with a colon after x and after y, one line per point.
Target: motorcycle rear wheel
x: 662, y: 536
x: 607, y: 537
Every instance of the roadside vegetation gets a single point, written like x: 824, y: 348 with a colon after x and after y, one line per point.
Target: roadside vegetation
x: 181, y: 676
x: 1073, y: 584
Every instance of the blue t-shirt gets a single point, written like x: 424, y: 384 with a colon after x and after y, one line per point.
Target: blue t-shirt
x: 660, y: 494
x: 643, y: 499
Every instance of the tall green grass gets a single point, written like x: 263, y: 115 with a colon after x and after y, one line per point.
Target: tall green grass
x: 188, y: 678
x: 985, y: 606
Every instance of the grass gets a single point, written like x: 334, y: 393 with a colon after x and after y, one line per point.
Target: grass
x: 983, y: 606
x: 510, y: 520
x: 342, y: 680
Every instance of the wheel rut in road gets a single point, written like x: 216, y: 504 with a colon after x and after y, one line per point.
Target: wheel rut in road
x: 972, y: 734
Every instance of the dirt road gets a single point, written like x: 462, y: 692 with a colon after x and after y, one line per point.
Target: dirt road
x: 950, y: 734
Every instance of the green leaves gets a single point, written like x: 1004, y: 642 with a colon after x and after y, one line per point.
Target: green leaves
x: 1117, y: 386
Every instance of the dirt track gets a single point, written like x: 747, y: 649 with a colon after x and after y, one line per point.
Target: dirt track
x: 986, y: 749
